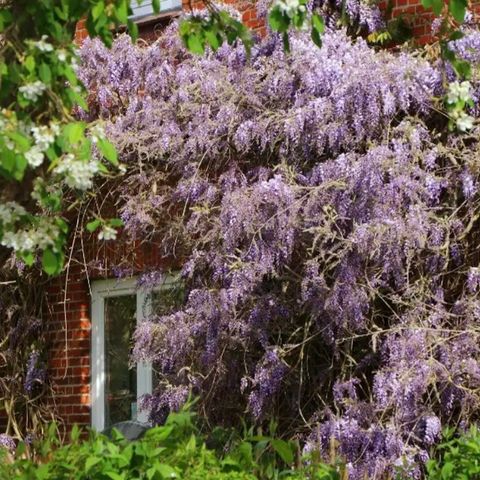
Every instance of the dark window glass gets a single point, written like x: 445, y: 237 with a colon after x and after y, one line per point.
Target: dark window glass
x: 120, y: 377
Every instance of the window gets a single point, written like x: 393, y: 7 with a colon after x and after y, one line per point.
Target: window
x: 117, y: 386
x: 117, y: 307
x: 145, y: 9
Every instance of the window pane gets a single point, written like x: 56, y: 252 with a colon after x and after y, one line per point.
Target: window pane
x: 169, y: 299
x: 120, y: 379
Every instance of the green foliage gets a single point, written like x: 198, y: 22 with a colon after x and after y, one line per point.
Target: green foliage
x: 457, y: 8
x: 284, y: 16
x: 174, y: 450
x: 43, y: 150
x: 199, y: 32
x: 458, y: 457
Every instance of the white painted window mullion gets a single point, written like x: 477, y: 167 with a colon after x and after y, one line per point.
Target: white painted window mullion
x: 98, y: 361
x: 144, y: 369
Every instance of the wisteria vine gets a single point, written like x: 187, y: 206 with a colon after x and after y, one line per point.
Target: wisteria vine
x: 326, y: 225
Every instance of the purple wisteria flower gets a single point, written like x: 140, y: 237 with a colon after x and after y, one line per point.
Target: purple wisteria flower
x: 7, y: 442
x: 266, y: 382
x: 36, y: 373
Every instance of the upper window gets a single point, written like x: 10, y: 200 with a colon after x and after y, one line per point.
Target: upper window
x: 117, y: 385
x: 145, y: 9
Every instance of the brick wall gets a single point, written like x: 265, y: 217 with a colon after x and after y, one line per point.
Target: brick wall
x: 70, y: 316
x: 412, y: 10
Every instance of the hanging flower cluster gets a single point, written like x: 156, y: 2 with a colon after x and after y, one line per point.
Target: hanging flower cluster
x: 326, y: 226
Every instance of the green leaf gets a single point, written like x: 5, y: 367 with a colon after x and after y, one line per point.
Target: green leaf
x: 62, y: 13
x: 286, y: 42
x: 93, y: 225
x: 6, y: 18
x: 463, y: 68
x: 76, y: 98
x: 278, y: 20
x: 20, y: 166
x: 74, y: 132
x: 30, y: 63
x: 98, y: 9
x: 159, y: 434
x: 213, y: 39
x: 458, y: 9
x: 116, y: 222
x: 69, y: 74
x: 317, y: 23
x: 435, y: 5
x: 316, y: 38
x: 91, y: 462
x: 27, y: 257
x: 42, y: 472
x: 195, y: 44
x: 108, y: 151
x: 7, y: 159
x: 132, y: 29
x: 191, y: 444
x: 456, y: 35
x: 22, y: 142
x: 20, y: 450
x: 156, y: 5
x: 284, y: 450
x: 122, y: 11
x: 166, y: 471
x: 447, y: 470
x: 52, y: 262
x: 115, y: 476
x: 75, y: 433
x: 45, y: 73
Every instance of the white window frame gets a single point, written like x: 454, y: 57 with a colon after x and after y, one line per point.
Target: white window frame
x: 102, y: 289
x: 145, y: 11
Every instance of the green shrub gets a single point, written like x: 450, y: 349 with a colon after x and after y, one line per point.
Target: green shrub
x: 174, y: 450
x: 458, y: 457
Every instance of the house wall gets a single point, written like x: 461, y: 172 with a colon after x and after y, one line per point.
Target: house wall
x: 69, y: 310
x: 69, y: 294
x: 418, y: 17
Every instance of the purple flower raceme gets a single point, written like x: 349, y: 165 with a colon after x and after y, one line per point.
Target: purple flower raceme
x: 168, y: 399
x: 7, y: 442
x: 266, y: 382
x: 36, y: 373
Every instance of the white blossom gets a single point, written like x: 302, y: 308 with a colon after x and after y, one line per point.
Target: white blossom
x: 74, y: 63
x: 31, y: 91
x: 40, y: 236
x: 464, y: 122
x: 290, y: 7
x: 43, y: 45
x: 44, y: 136
x: 10, y: 211
x: 62, y: 55
x: 34, y: 156
x: 77, y: 173
x: 107, y: 233
x: 458, y: 91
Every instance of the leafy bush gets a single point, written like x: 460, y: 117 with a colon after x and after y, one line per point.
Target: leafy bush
x: 174, y: 450
x: 459, y: 457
